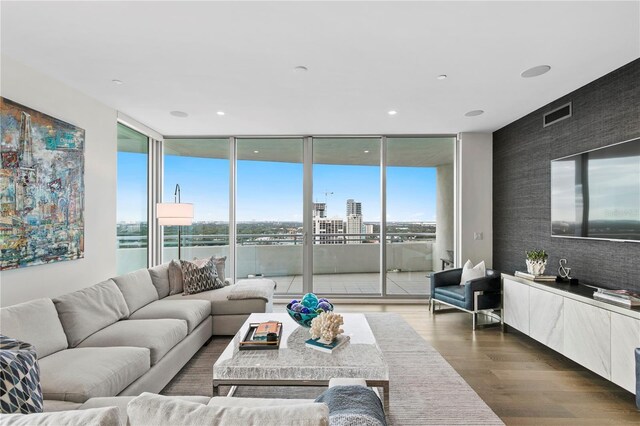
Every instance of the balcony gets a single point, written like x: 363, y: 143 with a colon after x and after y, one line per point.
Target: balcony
x: 347, y: 269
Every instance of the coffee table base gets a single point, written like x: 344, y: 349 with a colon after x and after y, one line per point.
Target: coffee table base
x: 384, y: 384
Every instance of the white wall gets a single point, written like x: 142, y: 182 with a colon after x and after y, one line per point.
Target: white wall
x: 30, y: 88
x: 474, y: 180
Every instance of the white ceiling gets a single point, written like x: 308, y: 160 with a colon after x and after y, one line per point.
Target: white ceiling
x: 364, y: 58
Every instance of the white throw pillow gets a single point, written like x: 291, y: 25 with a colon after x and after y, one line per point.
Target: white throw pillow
x: 107, y: 416
x: 470, y: 272
x: 155, y: 410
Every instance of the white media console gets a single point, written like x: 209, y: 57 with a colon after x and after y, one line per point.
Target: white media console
x: 599, y: 336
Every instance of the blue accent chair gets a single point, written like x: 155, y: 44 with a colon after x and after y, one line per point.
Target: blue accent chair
x: 475, y: 296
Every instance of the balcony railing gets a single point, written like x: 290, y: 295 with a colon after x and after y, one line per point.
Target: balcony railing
x: 409, y: 259
x: 140, y: 241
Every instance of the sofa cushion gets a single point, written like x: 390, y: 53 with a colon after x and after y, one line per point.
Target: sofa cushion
x: 86, y: 311
x: 108, y: 416
x: 192, y: 311
x: 220, y: 305
x: 176, y: 286
x: 157, y: 410
x: 137, y: 288
x: 82, y: 373
x: 35, y: 322
x: 122, y: 401
x: 51, y: 405
x: 160, y: 279
x: 158, y: 335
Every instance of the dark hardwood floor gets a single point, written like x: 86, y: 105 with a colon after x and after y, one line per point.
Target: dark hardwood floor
x: 524, y: 382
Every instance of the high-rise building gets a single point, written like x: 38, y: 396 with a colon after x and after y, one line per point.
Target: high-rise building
x: 328, y: 226
x: 354, y: 207
x: 354, y: 226
x: 368, y: 228
x: 319, y: 209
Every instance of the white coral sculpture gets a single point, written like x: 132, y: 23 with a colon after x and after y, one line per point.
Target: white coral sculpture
x: 326, y: 327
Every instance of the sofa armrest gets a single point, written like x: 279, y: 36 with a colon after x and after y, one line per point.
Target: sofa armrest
x: 445, y: 278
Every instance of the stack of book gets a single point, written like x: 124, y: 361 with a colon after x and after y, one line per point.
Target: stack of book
x: 328, y: 348
x: 265, y: 328
x: 543, y: 278
x: 625, y: 298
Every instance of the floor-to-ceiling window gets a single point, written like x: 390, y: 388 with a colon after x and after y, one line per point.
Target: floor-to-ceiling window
x: 269, y: 190
x: 360, y: 191
x: 346, y: 216
x: 201, y: 168
x: 419, y: 211
x: 132, y: 200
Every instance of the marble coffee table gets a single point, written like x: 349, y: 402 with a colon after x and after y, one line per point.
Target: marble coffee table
x: 293, y: 364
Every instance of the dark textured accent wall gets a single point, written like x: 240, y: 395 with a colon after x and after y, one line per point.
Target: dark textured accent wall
x: 605, y: 111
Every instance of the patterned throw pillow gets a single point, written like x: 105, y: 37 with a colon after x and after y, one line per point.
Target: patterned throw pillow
x: 20, y: 390
x: 220, y: 266
x: 197, y: 278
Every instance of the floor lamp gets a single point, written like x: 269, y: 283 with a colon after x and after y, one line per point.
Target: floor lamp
x: 175, y: 214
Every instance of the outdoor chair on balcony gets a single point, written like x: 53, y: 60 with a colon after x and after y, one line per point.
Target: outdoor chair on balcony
x: 476, y: 296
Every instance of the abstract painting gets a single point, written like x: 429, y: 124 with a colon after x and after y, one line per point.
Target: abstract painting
x: 41, y: 188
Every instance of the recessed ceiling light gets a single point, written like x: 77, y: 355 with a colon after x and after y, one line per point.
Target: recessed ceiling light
x: 441, y: 77
x: 301, y: 68
x: 256, y: 152
x: 180, y: 114
x: 392, y: 112
x: 117, y: 82
x: 220, y: 112
x: 535, y: 71
x: 366, y: 151
x: 474, y: 113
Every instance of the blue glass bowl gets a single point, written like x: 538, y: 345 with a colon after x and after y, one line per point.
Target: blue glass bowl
x: 303, y: 319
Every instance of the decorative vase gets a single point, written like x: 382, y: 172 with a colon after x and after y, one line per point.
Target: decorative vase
x: 536, y: 267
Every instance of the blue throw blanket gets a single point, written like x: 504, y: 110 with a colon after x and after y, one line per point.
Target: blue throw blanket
x: 353, y: 406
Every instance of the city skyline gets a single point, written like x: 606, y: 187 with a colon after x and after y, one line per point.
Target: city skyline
x: 272, y: 191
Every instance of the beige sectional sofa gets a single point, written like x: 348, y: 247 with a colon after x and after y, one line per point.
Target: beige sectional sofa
x: 126, y: 335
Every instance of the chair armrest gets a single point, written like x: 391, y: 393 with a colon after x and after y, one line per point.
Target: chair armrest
x: 445, y: 278
x: 490, y: 282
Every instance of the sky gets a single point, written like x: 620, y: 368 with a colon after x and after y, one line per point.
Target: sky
x: 270, y: 191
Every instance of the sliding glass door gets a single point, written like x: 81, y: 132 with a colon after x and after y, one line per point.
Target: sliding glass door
x: 346, y: 216
x: 269, y: 190
x: 419, y: 209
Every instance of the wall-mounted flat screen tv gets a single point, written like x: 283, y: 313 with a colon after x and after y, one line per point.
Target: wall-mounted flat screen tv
x: 596, y: 194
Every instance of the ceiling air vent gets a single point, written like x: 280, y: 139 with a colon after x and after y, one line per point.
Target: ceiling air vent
x: 556, y: 115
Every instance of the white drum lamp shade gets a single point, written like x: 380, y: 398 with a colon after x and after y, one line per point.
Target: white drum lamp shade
x: 174, y: 214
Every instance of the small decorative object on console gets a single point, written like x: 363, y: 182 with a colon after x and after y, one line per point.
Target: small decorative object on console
x: 625, y: 298
x: 305, y: 310
x: 532, y: 277
x: 563, y: 271
x: 536, y: 261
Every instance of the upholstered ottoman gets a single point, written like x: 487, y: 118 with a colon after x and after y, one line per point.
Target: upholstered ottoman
x: 20, y: 390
